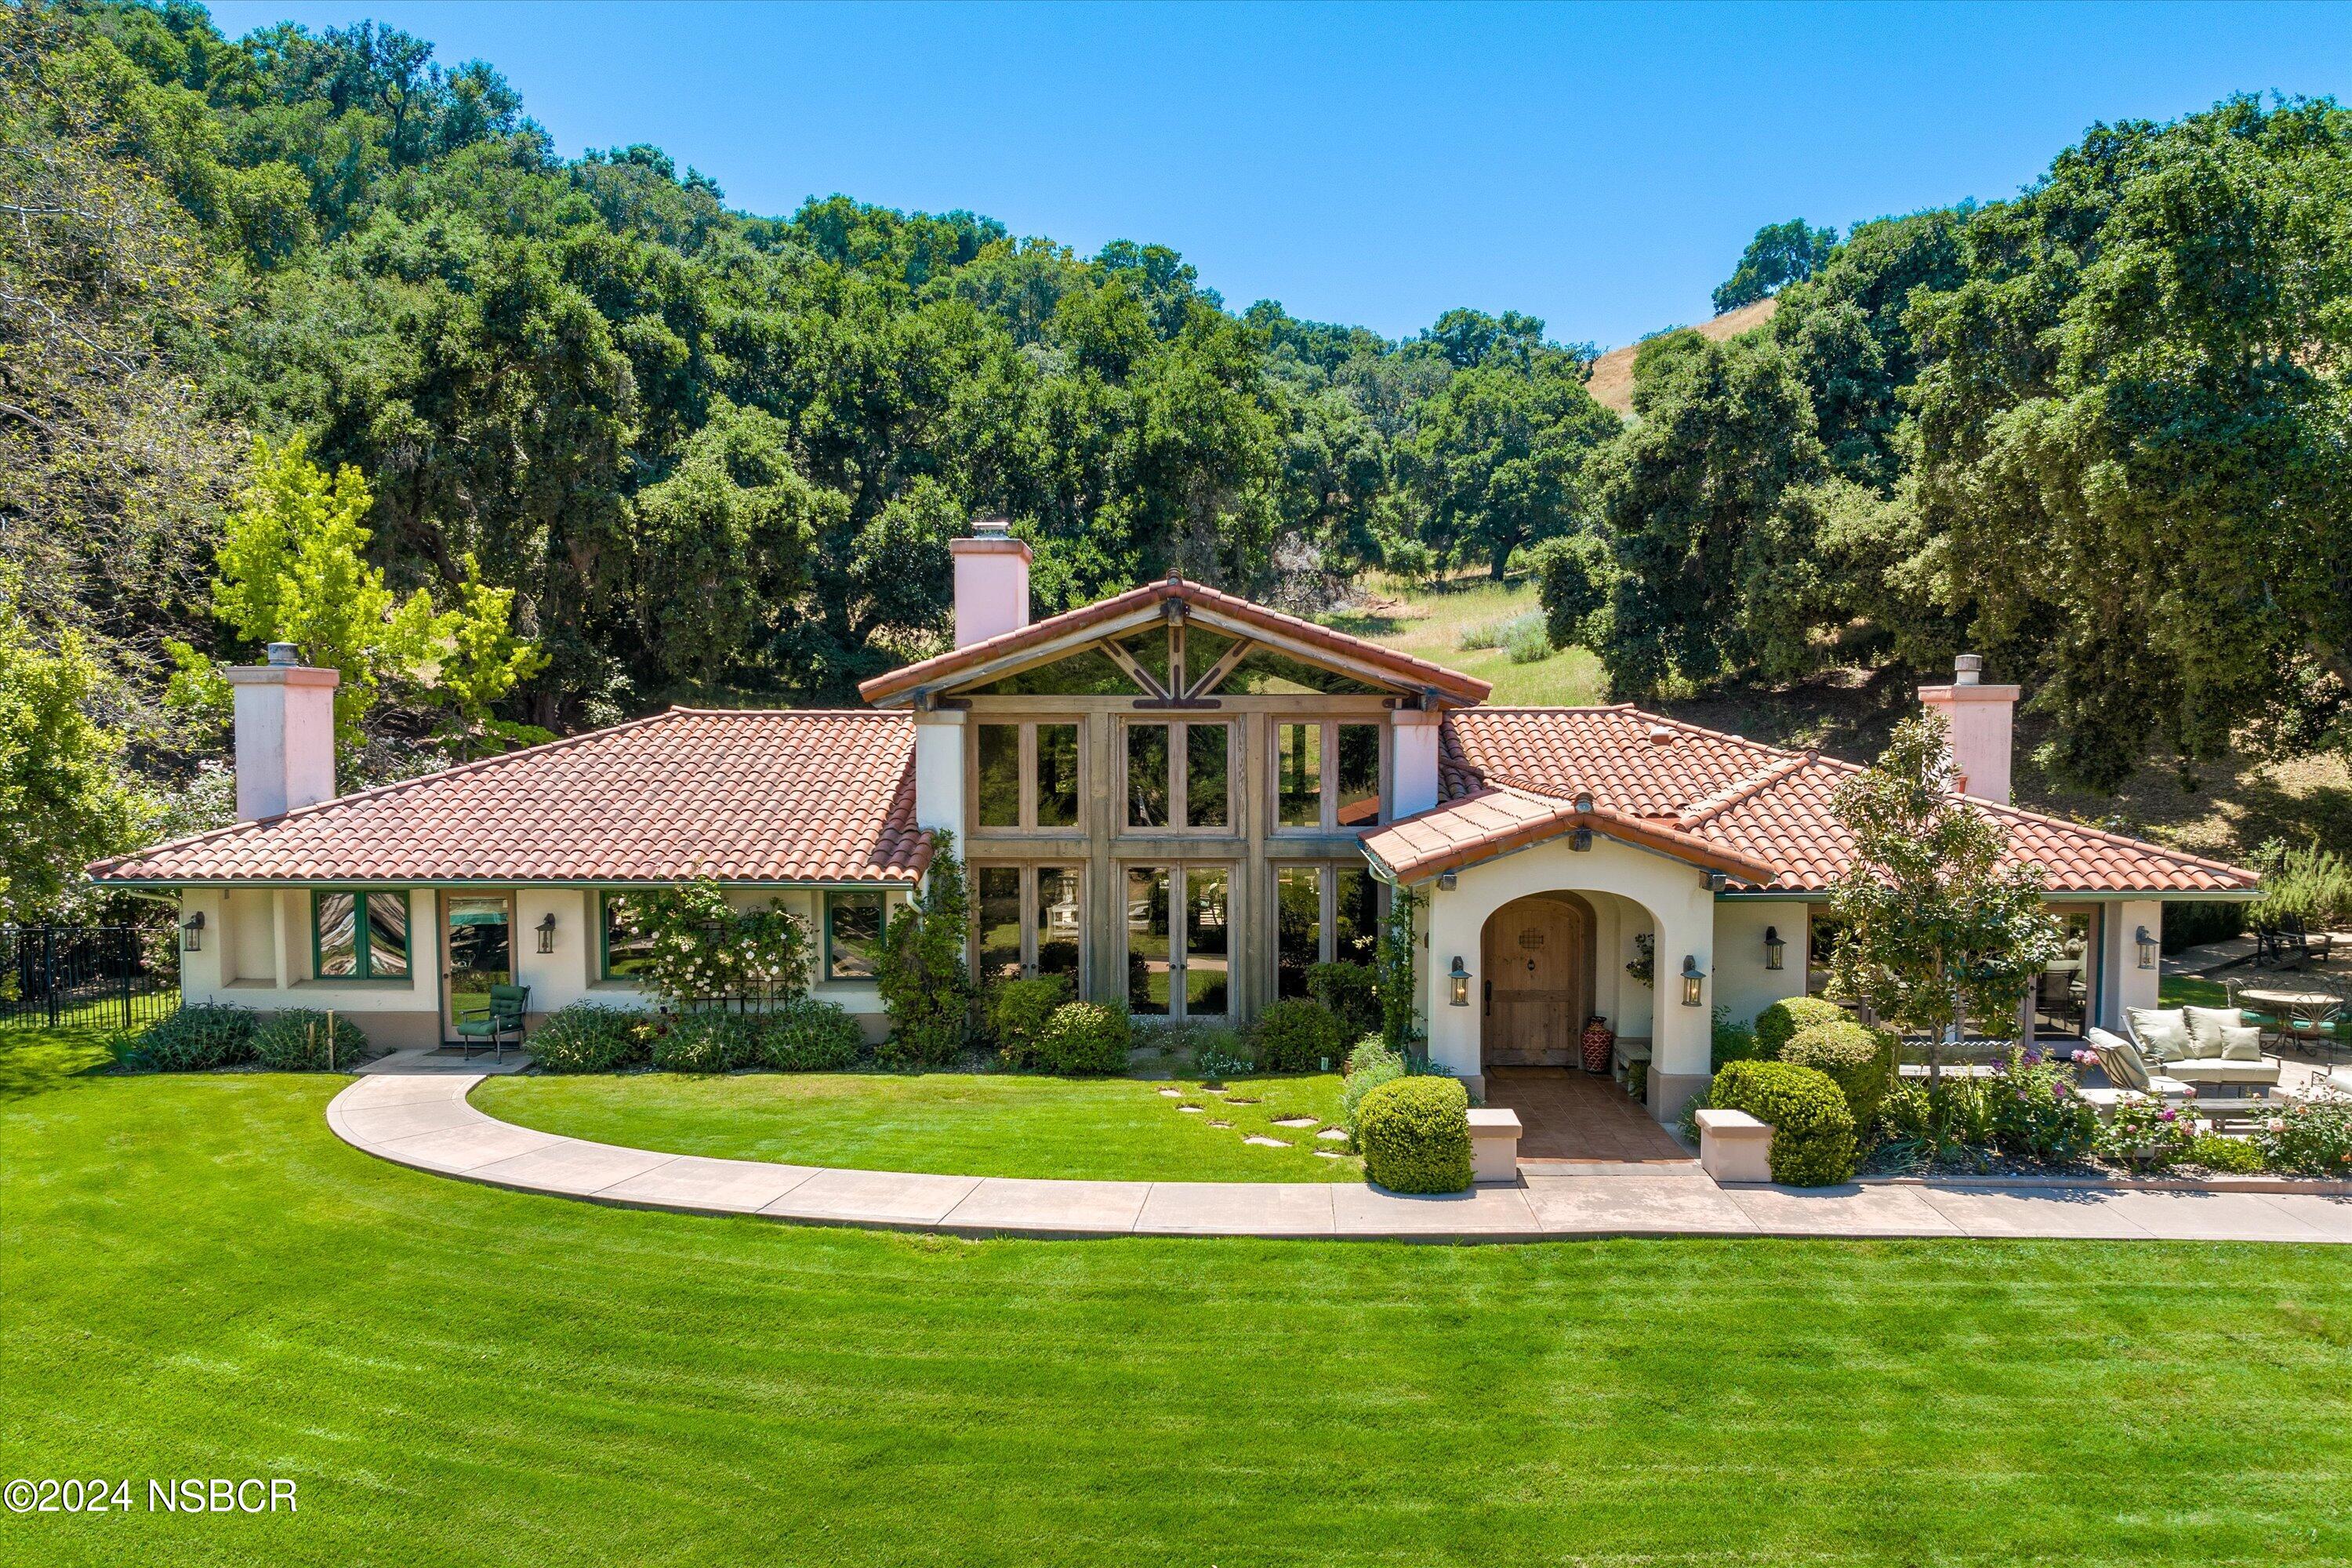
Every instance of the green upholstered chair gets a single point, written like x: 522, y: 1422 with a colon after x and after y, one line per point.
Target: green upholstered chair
x: 495, y: 1025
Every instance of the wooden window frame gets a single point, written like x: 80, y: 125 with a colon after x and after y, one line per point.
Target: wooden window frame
x: 363, y: 940
x: 1327, y: 908
x: 1180, y: 895
x: 1025, y: 774
x: 1031, y: 908
x: 1180, y: 772
x: 825, y: 974
x: 1328, y: 793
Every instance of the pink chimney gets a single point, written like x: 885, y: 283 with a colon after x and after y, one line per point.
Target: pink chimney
x: 992, y: 582
x: 1979, y: 719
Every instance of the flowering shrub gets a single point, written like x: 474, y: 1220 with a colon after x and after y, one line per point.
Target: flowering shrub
x: 2229, y: 1156
x: 2036, y: 1111
x: 700, y: 949
x: 1924, y: 1121
x: 2146, y: 1135
x: 924, y: 984
x: 2309, y: 1137
x: 703, y: 1042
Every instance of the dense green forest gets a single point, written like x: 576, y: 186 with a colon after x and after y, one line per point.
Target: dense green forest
x: 305, y: 335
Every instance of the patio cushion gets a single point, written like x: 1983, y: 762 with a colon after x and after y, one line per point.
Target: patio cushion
x: 2206, y: 1023
x: 2217, y: 1069
x: 2122, y: 1062
x: 2241, y: 1044
x: 2161, y: 1032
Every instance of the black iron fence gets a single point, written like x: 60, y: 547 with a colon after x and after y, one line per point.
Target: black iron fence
x: 95, y: 977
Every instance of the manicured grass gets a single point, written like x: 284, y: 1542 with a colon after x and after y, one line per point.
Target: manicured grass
x: 200, y: 1280
x: 2189, y: 991
x: 968, y: 1125
x: 1429, y: 623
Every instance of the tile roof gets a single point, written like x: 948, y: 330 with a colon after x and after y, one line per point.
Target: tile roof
x: 740, y: 795
x: 1401, y: 668
x: 1512, y: 776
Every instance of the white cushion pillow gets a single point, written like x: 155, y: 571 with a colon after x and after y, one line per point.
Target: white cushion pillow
x: 2123, y: 1067
x: 2206, y: 1023
x: 2241, y: 1044
x: 2162, y: 1032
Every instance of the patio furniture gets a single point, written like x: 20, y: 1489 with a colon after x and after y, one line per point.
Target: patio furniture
x: 496, y: 1024
x: 2286, y: 938
x: 2206, y: 1065
x: 2305, y: 1015
x: 2129, y: 1074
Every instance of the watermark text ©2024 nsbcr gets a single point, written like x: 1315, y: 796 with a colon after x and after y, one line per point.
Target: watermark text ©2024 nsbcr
x: 163, y: 1494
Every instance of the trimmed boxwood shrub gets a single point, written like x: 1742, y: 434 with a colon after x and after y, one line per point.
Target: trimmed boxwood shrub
x: 1085, y: 1037
x: 1373, y: 1063
x: 1860, y: 1060
x: 1780, y: 1023
x: 588, y: 1036
x: 194, y: 1038
x: 805, y: 1035
x: 1416, y: 1135
x: 1348, y: 990
x: 1018, y: 1011
x: 1813, y: 1126
x: 704, y: 1042
x: 1296, y: 1036
x: 297, y: 1040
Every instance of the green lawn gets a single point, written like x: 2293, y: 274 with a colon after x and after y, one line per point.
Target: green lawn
x: 200, y: 1280
x: 967, y: 1124
x: 1429, y: 623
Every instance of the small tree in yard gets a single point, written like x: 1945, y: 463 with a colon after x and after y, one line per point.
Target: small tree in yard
x: 1936, y: 931
x: 925, y: 986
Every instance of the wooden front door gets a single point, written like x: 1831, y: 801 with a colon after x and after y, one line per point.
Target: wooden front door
x: 1537, y: 969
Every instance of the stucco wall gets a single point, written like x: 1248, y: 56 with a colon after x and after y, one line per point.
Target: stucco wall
x: 1742, y: 984
x: 1680, y: 909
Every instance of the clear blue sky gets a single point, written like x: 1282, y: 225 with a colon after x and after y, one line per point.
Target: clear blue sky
x: 1598, y: 166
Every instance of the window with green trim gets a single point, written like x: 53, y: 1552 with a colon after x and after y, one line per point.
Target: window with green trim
x: 853, y: 935
x: 358, y: 935
x: 624, y: 954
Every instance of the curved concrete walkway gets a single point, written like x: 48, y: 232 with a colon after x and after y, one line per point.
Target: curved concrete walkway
x: 426, y: 1122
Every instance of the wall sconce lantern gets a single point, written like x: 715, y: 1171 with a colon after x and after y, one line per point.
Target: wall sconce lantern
x: 1693, y: 978
x: 2147, y: 949
x: 192, y: 933
x: 1461, y: 979
x: 547, y: 932
x: 1776, y: 951
x: 1580, y: 840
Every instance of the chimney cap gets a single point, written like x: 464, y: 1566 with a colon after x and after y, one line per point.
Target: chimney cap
x: 991, y: 526
x: 284, y: 653
x: 1967, y: 670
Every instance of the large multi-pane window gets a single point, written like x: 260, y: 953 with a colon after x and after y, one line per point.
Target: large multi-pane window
x: 853, y: 935
x: 1322, y: 913
x: 359, y: 936
x: 626, y: 954
x: 1027, y: 920
x: 1025, y: 775
x: 1179, y: 775
x: 1327, y: 775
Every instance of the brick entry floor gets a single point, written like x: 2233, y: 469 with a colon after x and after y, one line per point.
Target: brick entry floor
x: 1568, y: 1115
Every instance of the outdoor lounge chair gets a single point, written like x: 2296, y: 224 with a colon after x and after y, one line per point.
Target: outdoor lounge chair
x: 495, y: 1025
x: 2287, y: 939
x: 2129, y: 1074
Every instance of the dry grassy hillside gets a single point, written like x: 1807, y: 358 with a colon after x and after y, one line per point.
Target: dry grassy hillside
x: 1613, y: 373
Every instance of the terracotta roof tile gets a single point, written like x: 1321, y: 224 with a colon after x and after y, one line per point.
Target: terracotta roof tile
x: 1401, y: 668
x: 753, y: 796
x: 1767, y: 804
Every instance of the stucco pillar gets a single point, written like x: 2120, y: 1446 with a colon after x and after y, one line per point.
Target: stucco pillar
x: 2123, y: 983
x: 939, y: 771
x: 1453, y: 922
x: 1413, y: 755
x: 1682, y: 1038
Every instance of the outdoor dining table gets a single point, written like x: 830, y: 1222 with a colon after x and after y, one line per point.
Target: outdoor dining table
x: 2301, y: 1013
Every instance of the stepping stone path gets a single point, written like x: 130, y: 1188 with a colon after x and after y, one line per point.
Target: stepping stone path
x: 1295, y: 1121
x: 1173, y: 1093
x: 1335, y: 1133
x: 1192, y: 1109
x: 1266, y: 1143
x: 1328, y: 1154
x: 1216, y: 1124
x: 1232, y: 1098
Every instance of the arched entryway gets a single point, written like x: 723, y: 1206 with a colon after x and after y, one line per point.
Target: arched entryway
x: 1537, y: 958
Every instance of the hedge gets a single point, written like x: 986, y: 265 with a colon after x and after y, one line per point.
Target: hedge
x: 587, y: 1037
x: 1779, y: 1023
x: 1416, y: 1135
x: 1085, y: 1037
x: 1295, y: 1036
x: 1018, y: 1011
x: 805, y: 1035
x: 1347, y: 989
x: 195, y: 1039
x: 705, y: 1042
x: 1813, y: 1126
x: 1859, y: 1060
x: 301, y: 1040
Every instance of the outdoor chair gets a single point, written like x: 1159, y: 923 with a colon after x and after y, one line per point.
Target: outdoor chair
x: 2304, y: 944
x: 495, y: 1025
x: 2189, y: 1049
x: 2129, y: 1074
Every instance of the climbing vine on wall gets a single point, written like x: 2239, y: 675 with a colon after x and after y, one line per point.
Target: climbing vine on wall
x: 1392, y: 970
x: 703, y: 951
